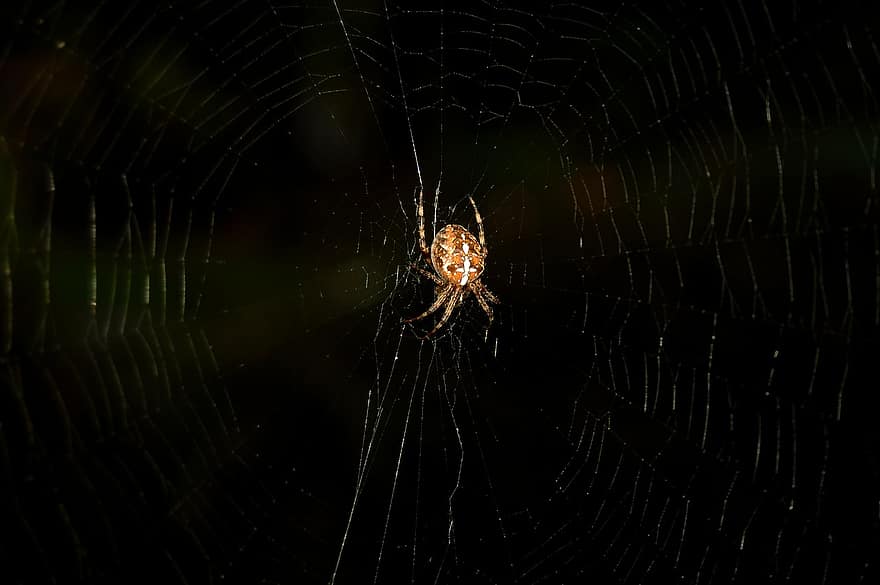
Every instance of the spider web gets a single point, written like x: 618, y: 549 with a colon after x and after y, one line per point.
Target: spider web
x: 208, y: 219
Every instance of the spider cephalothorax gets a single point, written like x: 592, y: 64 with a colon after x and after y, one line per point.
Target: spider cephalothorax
x: 458, y: 259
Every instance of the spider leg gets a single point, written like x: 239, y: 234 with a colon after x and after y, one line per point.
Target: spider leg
x: 442, y: 297
x: 480, y: 226
x: 484, y: 297
x: 421, y: 212
x: 450, y: 306
x: 490, y: 296
x: 428, y: 273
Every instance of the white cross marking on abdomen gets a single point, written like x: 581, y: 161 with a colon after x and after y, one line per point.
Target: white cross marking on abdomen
x: 466, y: 269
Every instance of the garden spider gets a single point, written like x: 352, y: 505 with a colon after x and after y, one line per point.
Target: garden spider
x: 458, y: 260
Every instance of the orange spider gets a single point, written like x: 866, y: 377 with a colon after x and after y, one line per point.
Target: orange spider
x: 458, y: 260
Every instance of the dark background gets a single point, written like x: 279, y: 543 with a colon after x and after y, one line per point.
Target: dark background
x: 206, y: 216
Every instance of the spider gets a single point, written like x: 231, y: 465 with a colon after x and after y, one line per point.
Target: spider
x: 458, y: 260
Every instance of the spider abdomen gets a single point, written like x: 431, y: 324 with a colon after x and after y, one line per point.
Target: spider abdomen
x: 457, y: 255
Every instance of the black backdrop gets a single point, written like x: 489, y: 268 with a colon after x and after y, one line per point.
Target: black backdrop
x: 207, y: 213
